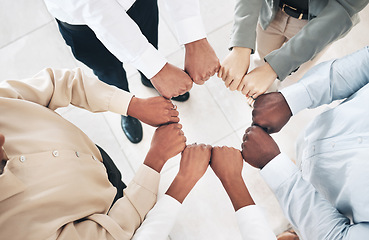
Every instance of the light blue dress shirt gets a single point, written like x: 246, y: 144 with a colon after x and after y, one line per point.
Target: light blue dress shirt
x: 326, y: 196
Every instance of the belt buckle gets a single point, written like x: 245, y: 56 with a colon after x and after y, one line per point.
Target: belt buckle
x: 292, y: 8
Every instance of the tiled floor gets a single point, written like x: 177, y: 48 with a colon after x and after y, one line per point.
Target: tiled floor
x: 30, y: 41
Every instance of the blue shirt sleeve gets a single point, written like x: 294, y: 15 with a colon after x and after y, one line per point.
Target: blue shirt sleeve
x: 329, y: 81
x: 305, y: 208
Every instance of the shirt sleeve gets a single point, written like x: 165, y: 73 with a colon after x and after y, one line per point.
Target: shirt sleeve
x: 187, y: 20
x: 305, y: 208
x: 246, y: 16
x: 329, y: 81
x: 162, y: 216
x: 253, y: 225
x: 335, y: 20
x: 59, y: 88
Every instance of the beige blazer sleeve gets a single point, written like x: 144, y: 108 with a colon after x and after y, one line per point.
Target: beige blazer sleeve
x: 59, y: 88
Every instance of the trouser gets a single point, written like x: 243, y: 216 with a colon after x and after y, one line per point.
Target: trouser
x: 280, y: 30
x: 87, y: 48
x: 114, y: 175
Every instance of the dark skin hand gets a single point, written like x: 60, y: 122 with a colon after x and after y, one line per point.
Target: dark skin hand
x: 227, y: 164
x: 271, y: 112
x: 258, y: 148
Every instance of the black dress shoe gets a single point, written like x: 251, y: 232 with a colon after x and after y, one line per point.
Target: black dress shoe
x: 132, y: 128
x: 182, y: 98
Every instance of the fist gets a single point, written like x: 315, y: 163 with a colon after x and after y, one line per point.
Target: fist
x: 195, y: 161
x: 271, y: 112
x: 226, y: 163
x: 168, y: 141
x: 201, y: 61
x: 258, y: 148
x: 154, y: 111
x: 172, y: 81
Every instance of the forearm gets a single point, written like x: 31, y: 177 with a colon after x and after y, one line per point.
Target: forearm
x: 329, y: 81
x: 181, y: 187
x: 187, y: 20
x: 245, y: 19
x: 304, y: 207
x: 237, y: 192
x: 59, y: 88
x: 331, y: 23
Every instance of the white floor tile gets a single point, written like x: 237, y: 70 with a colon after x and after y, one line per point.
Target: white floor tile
x: 38, y: 50
x: 21, y: 17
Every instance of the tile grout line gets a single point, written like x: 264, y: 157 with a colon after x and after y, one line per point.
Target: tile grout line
x: 18, y: 38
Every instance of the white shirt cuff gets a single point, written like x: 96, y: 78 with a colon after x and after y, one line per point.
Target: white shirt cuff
x: 278, y: 170
x: 150, y: 62
x: 297, y: 97
x: 190, y: 30
x: 253, y: 224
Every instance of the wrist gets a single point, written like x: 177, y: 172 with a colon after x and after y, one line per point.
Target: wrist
x: 241, y: 50
x: 154, y: 161
x: 238, y: 193
x: 193, y: 45
x: 134, y: 107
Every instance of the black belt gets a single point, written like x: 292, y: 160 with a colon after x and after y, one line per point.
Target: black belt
x: 293, y: 12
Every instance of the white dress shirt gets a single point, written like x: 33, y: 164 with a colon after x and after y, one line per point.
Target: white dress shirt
x: 121, y: 35
x: 327, y: 196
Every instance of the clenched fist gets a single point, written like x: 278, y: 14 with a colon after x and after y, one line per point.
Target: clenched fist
x: 154, y: 111
x: 258, y: 148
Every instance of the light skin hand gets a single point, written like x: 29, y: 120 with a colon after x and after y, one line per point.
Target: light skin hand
x: 201, y: 61
x: 167, y: 142
x: 258, y: 148
x: 258, y: 81
x: 194, y: 162
x: 271, y: 112
x: 171, y: 81
x: 154, y: 111
x: 2, y: 154
x: 227, y: 164
x: 234, y: 67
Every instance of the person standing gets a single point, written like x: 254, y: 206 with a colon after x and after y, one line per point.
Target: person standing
x: 105, y: 34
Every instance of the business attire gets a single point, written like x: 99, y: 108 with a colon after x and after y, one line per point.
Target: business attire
x: 284, y: 40
x: 54, y: 184
x: 105, y: 34
x: 326, y: 195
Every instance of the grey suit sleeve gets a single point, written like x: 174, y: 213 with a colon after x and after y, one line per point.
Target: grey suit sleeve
x: 332, y: 22
x: 329, y: 81
x: 245, y: 20
x: 305, y: 208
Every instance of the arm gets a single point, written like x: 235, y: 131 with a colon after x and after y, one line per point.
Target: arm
x: 127, y: 214
x: 305, y: 208
x: 59, y: 88
x: 227, y: 165
x: 194, y: 162
x: 324, y: 83
x: 331, y: 23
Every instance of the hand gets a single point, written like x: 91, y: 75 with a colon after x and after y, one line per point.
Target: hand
x: 200, y: 61
x: 194, y: 162
x: 234, y: 67
x: 171, y: 81
x: 271, y: 112
x: 154, y: 111
x: 2, y: 154
x: 258, y: 81
x: 227, y: 164
x: 258, y: 148
x: 168, y: 141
